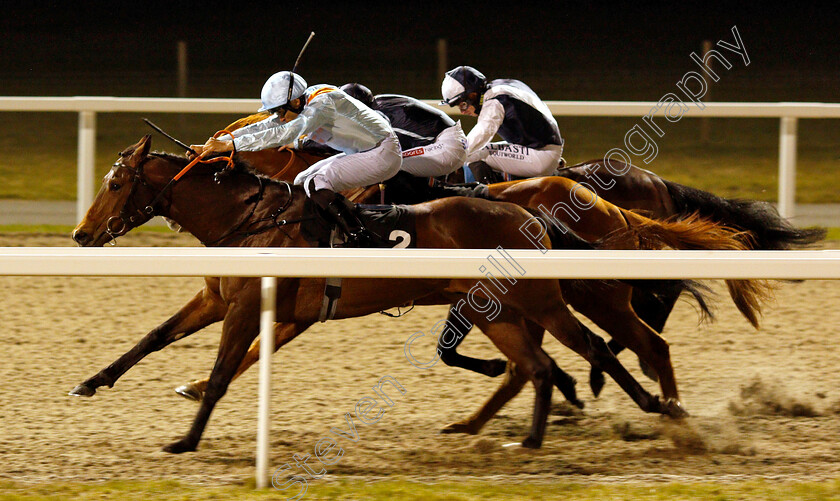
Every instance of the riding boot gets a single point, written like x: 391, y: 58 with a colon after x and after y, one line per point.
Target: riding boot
x: 343, y: 213
x: 483, y: 173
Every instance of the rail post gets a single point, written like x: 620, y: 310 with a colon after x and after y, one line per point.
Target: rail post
x: 267, y: 317
x: 787, y: 166
x: 85, y: 162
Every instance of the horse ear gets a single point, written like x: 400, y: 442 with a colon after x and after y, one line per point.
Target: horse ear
x: 138, y: 152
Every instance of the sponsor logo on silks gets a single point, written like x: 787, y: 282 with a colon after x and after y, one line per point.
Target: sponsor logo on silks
x: 413, y: 152
x: 504, y: 154
x: 512, y: 148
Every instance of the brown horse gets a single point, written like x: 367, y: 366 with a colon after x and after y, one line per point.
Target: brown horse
x: 244, y: 210
x: 609, y: 306
x: 641, y: 190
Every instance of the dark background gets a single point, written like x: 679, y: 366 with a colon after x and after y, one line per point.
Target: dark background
x: 564, y: 50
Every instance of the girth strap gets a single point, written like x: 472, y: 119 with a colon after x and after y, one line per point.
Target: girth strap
x: 332, y: 293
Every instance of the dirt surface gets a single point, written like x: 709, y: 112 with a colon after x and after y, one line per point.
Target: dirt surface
x: 764, y: 404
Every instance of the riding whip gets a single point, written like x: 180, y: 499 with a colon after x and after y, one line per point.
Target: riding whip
x: 295, y: 67
x: 167, y: 136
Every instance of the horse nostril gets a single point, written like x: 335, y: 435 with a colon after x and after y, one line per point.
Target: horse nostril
x: 80, y: 236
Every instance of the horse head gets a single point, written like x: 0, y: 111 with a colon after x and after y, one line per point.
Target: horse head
x: 123, y: 202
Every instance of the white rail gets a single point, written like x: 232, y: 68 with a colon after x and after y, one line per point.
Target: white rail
x: 399, y: 263
x: 414, y: 263
x: 87, y: 107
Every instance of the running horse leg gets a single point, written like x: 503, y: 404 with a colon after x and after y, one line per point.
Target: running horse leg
x: 512, y: 384
x: 654, y: 311
x: 241, y: 327
x: 576, y: 336
x: 283, y: 333
x: 203, y: 309
x: 509, y: 333
x: 621, y: 322
x: 450, y: 356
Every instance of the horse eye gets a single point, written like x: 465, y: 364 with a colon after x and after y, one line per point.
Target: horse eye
x: 114, y: 186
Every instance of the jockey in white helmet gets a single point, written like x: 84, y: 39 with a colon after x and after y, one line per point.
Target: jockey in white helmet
x: 532, y: 143
x: 370, y: 151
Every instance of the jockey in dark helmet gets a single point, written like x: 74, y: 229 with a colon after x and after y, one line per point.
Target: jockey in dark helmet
x: 532, y: 143
x: 464, y: 86
x: 360, y: 93
x: 432, y: 143
x: 370, y: 151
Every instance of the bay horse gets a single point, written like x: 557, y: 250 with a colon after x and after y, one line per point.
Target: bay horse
x: 612, y: 307
x: 244, y: 210
x: 624, y: 185
x: 613, y: 312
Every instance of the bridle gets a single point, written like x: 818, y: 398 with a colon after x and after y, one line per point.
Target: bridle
x: 131, y: 215
x: 131, y: 218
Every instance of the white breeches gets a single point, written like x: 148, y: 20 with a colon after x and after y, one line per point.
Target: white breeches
x: 343, y: 172
x: 519, y: 160
x: 447, y: 154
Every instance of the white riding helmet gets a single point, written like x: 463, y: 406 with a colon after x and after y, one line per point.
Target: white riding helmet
x: 275, y: 92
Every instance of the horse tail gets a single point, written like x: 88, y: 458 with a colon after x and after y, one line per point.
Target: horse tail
x: 770, y: 231
x: 563, y: 237
x: 696, y: 232
x: 250, y: 119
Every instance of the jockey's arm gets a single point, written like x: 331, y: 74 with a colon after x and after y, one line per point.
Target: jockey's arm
x: 273, y: 120
x: 280, y: 133
x: 224, y: 142
x: 489, y: 120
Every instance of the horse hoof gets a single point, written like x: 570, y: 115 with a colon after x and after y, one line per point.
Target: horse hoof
x: 179, y: 447
x: 82, y: 391
x: 596, y: 382
x: 189, y: 392
x: 674, y: 408
x: 495, y: 367
x: 531, y: 443
x: 458, y: 428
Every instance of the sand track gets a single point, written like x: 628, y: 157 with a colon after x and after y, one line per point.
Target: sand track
x: 740, y: 386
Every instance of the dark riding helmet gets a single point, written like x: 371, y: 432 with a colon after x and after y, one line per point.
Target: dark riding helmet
x: 360, y: 92
x: 464, y: 83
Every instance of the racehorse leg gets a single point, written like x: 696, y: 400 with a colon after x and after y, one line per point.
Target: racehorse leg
x: 241, y: 327
x: 510, y: 334
x: 560, y: 322
x: 203, y: 309
x: 283, y: 333
x: 617, y: 318
x: 450, y: 356
x: 653, y: 310
x: 511, y: 386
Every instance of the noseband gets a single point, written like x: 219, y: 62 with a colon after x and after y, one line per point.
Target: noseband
x: 131, y: 218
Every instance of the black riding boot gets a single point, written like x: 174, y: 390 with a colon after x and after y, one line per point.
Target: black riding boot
x: 484, y: 174
x: 342, y: 212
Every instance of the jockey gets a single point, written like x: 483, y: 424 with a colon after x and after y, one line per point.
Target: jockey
x: 432, y: 143
x: 532, y: 143
x: 370, y: 151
